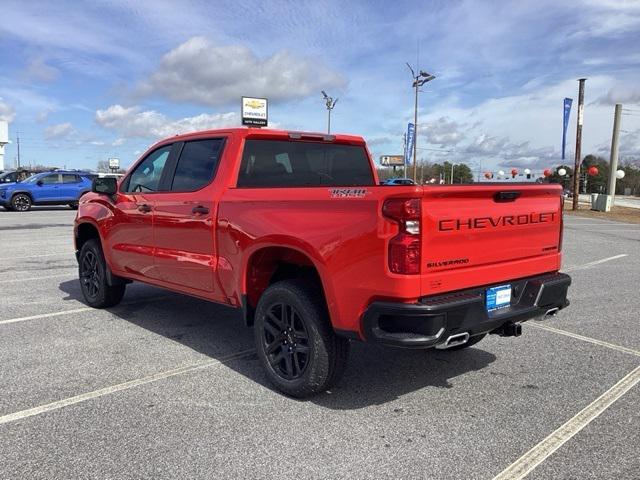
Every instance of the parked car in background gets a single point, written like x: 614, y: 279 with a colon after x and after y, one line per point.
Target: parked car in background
x: 14, y: 176
x: 47, y: 188
x: 399, y: 181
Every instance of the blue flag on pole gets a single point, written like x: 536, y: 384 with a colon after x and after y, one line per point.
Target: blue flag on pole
x: 565, y: 122
x: 411, y: 134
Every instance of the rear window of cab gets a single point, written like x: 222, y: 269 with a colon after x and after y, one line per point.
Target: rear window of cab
x: 275, y: 163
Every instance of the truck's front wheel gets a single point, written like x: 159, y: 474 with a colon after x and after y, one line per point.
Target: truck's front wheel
x: 93, y: 277
x: 295, y: 342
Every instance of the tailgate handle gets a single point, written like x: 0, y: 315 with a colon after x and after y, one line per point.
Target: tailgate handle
x: 506, y: 196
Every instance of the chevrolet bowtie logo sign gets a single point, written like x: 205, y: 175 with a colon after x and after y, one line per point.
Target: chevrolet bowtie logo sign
x: 254, y: 112
x: 253, y: 103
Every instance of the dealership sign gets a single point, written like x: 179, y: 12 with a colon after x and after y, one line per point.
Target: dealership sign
x: 114, y: 163
x: 254, y: 112
x: 392, y: 160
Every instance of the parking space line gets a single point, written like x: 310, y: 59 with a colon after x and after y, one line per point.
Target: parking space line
x: 68, y: 252
x: 76, y: 310
x: 595, y: 341
x: 595, y: 262
x: 538, y: 454
x: 570, y: 224
x: 16, y: 280
x: 45, y: 315
x: 12, y: 417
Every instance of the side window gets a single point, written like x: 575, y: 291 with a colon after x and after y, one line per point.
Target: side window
x: 69, y: 178
x: 197, y: 164
x: 50, y: 179
x: 146, y: 176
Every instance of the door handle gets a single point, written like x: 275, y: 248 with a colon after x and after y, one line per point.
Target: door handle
x: 200, y: 209
x: 144, y: 208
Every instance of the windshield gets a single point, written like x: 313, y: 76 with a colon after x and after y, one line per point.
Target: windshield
x: 33, y: 178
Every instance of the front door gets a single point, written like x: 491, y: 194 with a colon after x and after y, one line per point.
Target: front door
x: 131, y: 235
x: 184, y: 222
x: 47, y: 188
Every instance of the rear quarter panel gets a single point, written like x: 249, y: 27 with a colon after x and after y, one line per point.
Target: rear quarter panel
x: 345, y: 238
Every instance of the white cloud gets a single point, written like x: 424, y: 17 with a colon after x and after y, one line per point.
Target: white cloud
x: 526, y: 129
x: 625, y: 95
x: 118, y: 142
x: 43, y: 116
x: 7, y: 113
x: 135, y: 122
x: 61, y: 130
x: 443, y: 132
x: 199, y: 72
x: 38, y: 70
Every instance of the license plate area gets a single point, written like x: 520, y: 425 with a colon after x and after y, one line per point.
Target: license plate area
x: 498, y: 297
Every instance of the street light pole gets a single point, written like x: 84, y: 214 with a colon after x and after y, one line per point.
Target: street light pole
x: 576, y: 170
x: 330, y: 103
x: 418, y: 80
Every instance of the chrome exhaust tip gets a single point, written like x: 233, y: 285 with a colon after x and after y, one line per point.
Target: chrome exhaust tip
x: 552, y: 312
x: 454, y: 341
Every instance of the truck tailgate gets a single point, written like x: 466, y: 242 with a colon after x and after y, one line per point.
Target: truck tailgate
x: 481, y: 234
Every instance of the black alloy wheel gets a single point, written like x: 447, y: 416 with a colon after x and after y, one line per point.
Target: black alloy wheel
x: 93, y: 272
x: 286, y: 341
x: 296, y: 343
x: 90, y: 274
x: 21, y: 202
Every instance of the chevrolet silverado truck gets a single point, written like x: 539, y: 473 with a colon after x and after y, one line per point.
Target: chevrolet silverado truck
x: 294, y: 231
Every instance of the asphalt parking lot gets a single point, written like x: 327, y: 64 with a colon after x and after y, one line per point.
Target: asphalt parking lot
x: 167, y: 386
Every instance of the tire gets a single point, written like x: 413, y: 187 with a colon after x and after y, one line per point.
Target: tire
x: 74, y: 205
x: 92, y: 272
x: 471, y: 342
x: 21, y: 202
x: 7, y: 208
x: 295, y: 342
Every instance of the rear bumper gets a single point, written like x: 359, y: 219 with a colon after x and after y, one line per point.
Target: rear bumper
x: 435, y: 318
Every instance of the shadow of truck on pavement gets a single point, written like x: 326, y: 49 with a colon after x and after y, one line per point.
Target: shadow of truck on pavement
x: 375, y: 375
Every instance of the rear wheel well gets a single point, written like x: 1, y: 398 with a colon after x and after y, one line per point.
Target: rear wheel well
x: 28, y: 194
x: 274, y: 264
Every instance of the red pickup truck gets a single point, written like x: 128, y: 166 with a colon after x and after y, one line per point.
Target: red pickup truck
x: 294, y: 230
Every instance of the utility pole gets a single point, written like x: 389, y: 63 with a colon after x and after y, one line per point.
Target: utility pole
x: 451, y: 173
x: 576, y: 170
x: 418, y: 80
x: 18, y: 144
x: 613, y: 160
x: 330, y: 103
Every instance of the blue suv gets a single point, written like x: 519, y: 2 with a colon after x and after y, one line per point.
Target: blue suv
x: 47, y: 188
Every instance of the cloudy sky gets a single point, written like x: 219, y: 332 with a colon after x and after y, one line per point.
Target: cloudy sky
x: 84, y: 82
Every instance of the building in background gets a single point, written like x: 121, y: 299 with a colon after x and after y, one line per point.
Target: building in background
x: 4, y: 139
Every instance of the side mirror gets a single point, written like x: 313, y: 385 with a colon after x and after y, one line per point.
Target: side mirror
x: 105, y: 186
x: 39, y: 183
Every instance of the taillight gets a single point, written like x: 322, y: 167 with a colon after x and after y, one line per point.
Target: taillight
x: 561, y: 222
x: 404, y: 248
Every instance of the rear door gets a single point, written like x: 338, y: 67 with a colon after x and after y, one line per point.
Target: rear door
x: 185, y: 218
x: 70, y: 187
x: 131, y: 235
x: 480, y: 234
